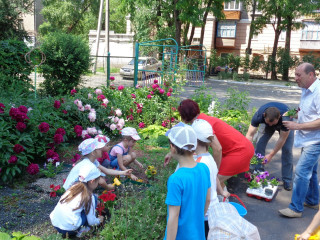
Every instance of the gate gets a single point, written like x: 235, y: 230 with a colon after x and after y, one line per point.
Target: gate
x: 193, y: 63
x: 147, y: 67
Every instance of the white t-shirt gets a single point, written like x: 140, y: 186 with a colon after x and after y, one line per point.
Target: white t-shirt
x: 64, y: 217
x: 207, y: 159
x: 73, y: 176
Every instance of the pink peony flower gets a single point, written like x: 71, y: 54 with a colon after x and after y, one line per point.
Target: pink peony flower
x: 112, y: 78
x: 121, y: 121
x: 138, y: 86
x: 170, y: 90
x: 73, y: 91
x: 113, y: 126
x: 119, y: 126
x: 168, y: 94
x: 81, y: 109
x: 98, y: 91
x: 44, y: 127
x: 84, y: 133
x: 112, y: 86
x: 118, y: 112
x: 161, y: 91
x: 78, y: 130
x: 13, y: 159
x: 61, y: 131
x: 87, y: 107
x: 141, y: 125
x: 173, y: 119
x: 149, y: 96
x: 57, y: 104
x: 58, y: 138
x: 90, y: 96
x: 92, y: 116
x: 133, y: 95
x: 155, y: 81
x: 92, y: 131
x: 164, y: 124
x: 155, y: 86
x: 115, y: 119
x: 105, y: 101
x: 18, y: 148
x: 121, y: 87
x: 21, y: 126
x: 33, y: 169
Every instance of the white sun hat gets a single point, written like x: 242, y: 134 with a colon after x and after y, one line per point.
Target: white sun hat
x: 130, y: 131
x: 89, y: 145
x: 183, y: 137
x: 88, y: 173
x: 203, y: 130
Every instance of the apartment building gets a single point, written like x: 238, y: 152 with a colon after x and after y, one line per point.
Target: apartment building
x: 231, y: 34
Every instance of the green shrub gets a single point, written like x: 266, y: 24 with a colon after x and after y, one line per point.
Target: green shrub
x: 284, y: 60
x: 67, y: 58
x: 14, y: 70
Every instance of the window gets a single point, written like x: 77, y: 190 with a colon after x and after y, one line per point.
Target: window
x: 255, y: 36
x: 310, y: 31
x: 232, y: 5
x: 227, y: 29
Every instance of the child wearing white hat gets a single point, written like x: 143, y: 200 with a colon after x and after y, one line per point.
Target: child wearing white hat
x: 188, y: 195
x: 91, y: 149
x: 205, y: 136
x: 75, y: 211
x: 122, y: 154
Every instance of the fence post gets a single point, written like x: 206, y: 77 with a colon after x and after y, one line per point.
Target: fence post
x: 136, y: 60
x: 108, y: 70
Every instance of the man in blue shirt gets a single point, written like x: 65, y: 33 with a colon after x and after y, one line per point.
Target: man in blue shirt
x: 270, y: 115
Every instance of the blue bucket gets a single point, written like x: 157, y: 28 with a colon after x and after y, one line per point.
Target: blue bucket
x: 241, y: 210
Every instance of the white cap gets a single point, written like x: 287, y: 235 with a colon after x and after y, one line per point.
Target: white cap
x: 203, y: 130
x: 88, y: 173
x: 183, y: 137
x: 102, y: 138
x: 132, y: 132
x: 89, y: 145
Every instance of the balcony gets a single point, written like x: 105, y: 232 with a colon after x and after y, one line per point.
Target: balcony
x: 232, y: 15
x: 307, y: 45
x: 225, y: 42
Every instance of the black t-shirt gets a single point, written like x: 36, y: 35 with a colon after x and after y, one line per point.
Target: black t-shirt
x: 258, y: 117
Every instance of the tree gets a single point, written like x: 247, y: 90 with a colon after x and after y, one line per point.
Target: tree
x: 70, y: 16
x: 10, y: 13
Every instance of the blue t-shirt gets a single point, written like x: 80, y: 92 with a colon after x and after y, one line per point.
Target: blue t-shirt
x: 258, y: 117
x: 187, y: 188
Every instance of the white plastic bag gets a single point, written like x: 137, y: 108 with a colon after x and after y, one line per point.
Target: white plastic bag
x: 226, y: 223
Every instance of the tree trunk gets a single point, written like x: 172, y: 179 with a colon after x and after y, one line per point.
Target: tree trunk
x: 277, y: 32
x: 185, y: 34
x: 285, y: 75
x: 204, y: 21
x: 177, y: 23
x: 248, y: 50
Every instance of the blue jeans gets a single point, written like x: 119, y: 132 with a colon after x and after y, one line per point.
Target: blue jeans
x: 305, y: 184
x: 286, y: 155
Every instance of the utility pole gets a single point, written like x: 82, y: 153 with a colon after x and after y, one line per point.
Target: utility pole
x: 98, y: 35
x: 107, y: 26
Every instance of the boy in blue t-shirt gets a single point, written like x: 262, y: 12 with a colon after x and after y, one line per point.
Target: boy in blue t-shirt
x: 188, y: 195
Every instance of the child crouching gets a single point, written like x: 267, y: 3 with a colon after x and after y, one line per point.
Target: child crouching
x: 75, y: 210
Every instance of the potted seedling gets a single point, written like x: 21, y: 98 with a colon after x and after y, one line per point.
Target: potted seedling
x: 290, y: 115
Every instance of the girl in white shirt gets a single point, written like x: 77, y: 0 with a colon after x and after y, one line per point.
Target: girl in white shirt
x: 76, y: 207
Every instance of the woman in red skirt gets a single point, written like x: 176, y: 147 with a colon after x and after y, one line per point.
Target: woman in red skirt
x: 232, y: 151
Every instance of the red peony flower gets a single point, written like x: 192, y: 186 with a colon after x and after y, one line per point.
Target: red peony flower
x: 121, y: 87
x: 44, y: 127
x: 155, y: 81
x: 78, y: 130
x: 76, y: 158
x: 51, y: 154
x: 130, y: 117
x: 73, y: 91
x: 112, y: 78
x: 33, y: 169
x: 58, y: 138
x: 101, y: 97
x: 53, y: 194
x: 21, y: 126
x: 133, y: 95
x: 23, y: 109
x: 164, y: 124
x: 64, y: 111
x: 61, y: 131
x: 13, y: 159
x: 17, y: 115
x: 56, y: 188
x: 141, y: 125
x: 139, y: 110
x: 2, y: 107
x: 57, y: 104
x: 18, y: 148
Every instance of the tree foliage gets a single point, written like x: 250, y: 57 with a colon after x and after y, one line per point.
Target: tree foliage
x: 10, y: 13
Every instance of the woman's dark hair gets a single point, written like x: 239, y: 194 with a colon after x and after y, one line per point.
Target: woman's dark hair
x: 188, y: 110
